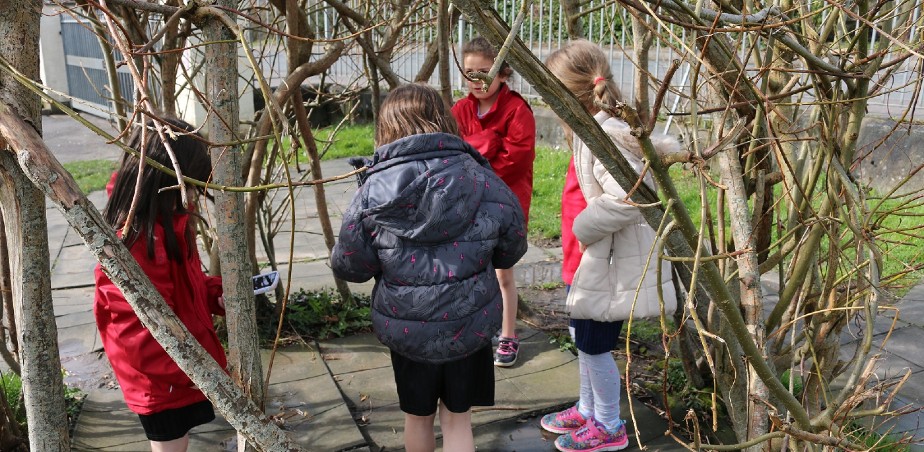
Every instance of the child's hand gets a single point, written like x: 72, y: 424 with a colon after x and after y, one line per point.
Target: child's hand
x: 221, y: 302
x: 581, y: 246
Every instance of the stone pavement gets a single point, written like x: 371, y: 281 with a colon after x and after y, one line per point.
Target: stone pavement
x: 330, y: 396
x: 339, y: 394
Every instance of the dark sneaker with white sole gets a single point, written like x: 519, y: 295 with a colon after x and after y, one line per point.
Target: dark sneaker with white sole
x: 506, y: 354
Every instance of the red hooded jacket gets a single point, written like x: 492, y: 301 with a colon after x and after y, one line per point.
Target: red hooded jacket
x: 506, y: 136
x: 572, y: 203
x: 151, y: 382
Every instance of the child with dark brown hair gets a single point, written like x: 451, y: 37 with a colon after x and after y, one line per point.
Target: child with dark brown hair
x: 500, y: 125
x: 432, y: 223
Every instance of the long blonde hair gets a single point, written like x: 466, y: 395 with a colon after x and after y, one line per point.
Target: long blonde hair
x: 585, y: 70
x: 410, y: 110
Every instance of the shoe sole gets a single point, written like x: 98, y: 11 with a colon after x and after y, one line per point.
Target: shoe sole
x: 500, y: 364
x: 557, y: 430
x: 596, y: 449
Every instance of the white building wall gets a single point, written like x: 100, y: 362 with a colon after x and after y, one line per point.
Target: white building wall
x: 51, y: 58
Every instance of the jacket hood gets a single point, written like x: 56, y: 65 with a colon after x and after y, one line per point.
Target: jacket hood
x: 438, y: 198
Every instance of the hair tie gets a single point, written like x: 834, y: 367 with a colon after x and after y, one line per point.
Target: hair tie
x: 598, y: 80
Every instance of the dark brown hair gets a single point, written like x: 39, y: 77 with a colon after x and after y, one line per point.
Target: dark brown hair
x: 481, y: 46
x: 154, y: 205
x: 410, y: 110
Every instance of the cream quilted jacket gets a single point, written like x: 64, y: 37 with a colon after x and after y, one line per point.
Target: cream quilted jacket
x: 619, y: 241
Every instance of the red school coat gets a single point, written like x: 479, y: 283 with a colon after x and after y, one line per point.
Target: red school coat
x: 572, y: 203
x: 151, y: 382
x: 505, y: 136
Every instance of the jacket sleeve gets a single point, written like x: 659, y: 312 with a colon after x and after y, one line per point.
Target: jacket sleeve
x: 135, y: 346
x: 214, y: 291
x: 354, y: 259
x: 511, y: 244
x: 607, y: 213
x: 487, y: 142
x: 518, y: 148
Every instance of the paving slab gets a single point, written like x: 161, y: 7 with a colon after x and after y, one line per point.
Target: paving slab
x: 911, y: 306
x: 71, y: 141
x: 544, y: 380
x: 903, y: 342
x: 302, y: 397
x: 888, y: 365
x: 75, y: 300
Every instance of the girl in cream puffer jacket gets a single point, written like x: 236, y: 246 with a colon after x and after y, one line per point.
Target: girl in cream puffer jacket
x: 614, y: 244
x: 618, y: 240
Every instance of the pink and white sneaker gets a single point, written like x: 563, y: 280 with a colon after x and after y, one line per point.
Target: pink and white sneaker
x: 593, y: 437
x: 563, y: 421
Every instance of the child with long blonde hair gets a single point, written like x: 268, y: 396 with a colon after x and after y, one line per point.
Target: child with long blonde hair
x: 605, y: 243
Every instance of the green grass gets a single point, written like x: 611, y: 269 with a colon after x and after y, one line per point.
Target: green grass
x: 549, y: 171
x: 897, y: 227
x: 875, y: 441
x: 91, y: 175
x: 350, y: 141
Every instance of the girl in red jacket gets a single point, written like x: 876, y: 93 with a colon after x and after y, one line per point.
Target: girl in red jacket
x: 500, y: 125
x: 161, y: 237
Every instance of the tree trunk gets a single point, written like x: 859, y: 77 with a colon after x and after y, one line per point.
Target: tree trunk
x: 572, y: 11
x: 120, y: 266
x: 641, y: 43
x: 433, y: 52
x: 443, y: 39
x: 296, y: 59
x: 751, y: 294
x: 42, y: 384
x: 221, y: 89
x: 320, y: 198
x: 23, y: 208
x: 10, y: 348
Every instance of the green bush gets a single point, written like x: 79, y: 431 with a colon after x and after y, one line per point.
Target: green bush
x: 12, y: 390
x: 563, y: 341
x: 321, y: 315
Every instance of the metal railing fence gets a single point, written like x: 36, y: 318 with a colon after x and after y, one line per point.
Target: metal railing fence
x: 608, y: 24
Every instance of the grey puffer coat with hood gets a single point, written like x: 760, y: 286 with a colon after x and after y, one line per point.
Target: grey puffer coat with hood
x: 431, y: 223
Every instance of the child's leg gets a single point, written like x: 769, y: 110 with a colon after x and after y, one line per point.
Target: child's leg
x: 176, y: 445
x: 508, y: 288
x: 418, y: 433
x: 604, y: 379
x: 457, y: 430
x: 586, y: 402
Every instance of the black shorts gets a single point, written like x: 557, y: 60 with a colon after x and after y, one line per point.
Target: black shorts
x: 174, y: 423
x: 460, y: 385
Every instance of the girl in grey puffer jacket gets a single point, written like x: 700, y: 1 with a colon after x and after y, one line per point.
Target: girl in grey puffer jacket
x: 431, y: 223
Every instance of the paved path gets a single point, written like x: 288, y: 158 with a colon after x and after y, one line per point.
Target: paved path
x: 339, y: 394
